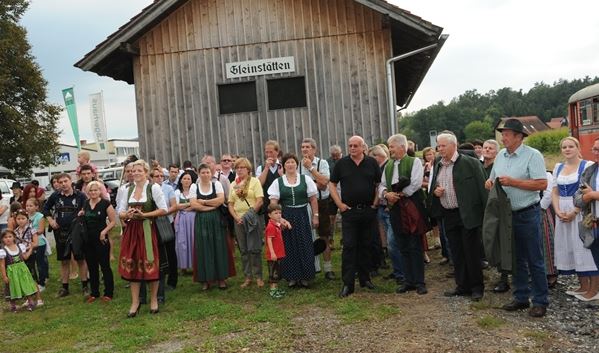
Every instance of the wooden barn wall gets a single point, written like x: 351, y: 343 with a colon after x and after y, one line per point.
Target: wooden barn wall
x: 339, y: 46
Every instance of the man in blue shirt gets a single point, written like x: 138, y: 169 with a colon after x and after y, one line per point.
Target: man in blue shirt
x: 520, y: 170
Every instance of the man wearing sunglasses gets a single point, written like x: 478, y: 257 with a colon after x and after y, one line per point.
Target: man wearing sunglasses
x: 359, y: 176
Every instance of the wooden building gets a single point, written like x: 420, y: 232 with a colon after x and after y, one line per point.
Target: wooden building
x: 215, y: 76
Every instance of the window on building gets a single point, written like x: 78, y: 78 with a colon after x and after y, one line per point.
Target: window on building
x: 237, y: 98
x: 286, y: 93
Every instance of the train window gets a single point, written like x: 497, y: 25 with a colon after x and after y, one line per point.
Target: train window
x: 596, y: 109
x: 586, y: 112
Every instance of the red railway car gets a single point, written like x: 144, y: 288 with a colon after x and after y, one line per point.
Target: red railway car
x: 583, y: 112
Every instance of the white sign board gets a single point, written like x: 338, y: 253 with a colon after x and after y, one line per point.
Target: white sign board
x: 260, y: 67
x: 96, y: 112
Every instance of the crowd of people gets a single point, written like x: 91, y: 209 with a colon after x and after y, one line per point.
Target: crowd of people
x: 484, y: 206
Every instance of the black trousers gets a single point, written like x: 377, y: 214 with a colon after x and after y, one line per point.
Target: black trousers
x: 172, y: 272
x: 412, y: 257
x: 97, y: 256
x: 465, y: 247
x: 359, y: 228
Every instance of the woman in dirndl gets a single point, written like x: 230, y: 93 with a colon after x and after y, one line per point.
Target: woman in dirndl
x: 185, y: 221
x: 294, y: 192
x: 211, y: 257
x: 139, y: 259
x: 571, y: 257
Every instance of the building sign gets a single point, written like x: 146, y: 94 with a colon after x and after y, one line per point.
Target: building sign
x: 260, y: 67
x: 63, y: 158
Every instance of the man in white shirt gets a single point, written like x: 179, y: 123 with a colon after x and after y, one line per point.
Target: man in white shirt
x: 318, y: 170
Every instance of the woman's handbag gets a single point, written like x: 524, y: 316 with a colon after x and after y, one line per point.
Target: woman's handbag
x: 587, y: 229
x: 77, y: 238
x: 164, y: 229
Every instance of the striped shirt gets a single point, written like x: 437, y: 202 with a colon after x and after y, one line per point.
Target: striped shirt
x: 449, y: 199
x: 525, y: 163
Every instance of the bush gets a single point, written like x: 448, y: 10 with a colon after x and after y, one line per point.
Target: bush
x: 547, y: 141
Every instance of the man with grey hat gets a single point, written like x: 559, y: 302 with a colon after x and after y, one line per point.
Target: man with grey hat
x: 520, y: 170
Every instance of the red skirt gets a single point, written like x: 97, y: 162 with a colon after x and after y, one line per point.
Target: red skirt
x: 133, y: 262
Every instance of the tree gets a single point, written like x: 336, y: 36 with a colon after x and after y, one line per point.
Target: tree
x: 478, y: 129
x: 29, y: 133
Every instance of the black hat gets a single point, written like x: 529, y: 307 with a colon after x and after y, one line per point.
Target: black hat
x: 16, y: 185
x: 512, y: 124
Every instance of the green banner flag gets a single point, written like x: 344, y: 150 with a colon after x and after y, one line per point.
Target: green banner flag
x: 69, y: 102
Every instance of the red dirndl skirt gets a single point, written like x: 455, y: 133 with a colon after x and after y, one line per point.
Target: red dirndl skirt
x: 133, y: 262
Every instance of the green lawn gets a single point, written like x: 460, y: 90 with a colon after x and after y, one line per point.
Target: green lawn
x: 190, y: 320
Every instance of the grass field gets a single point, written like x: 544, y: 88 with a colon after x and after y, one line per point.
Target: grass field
x: 191, y: 319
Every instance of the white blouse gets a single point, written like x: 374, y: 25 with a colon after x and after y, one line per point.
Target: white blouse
x: 218, y: 187
x: 191, y: 196
x: 11, y: 253
x: 157, y: 195
x: 274, y: 192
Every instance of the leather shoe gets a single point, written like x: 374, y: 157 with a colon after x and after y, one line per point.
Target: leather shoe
x: 514, y: 305
x: 455, y: 293
x: 367, y: 284
x: 405, y: 288
x: 330, y: 275
x: 501, y: 287
x: 346, y: 291
x: 477, y: 296
x: 537, y: 311
x: 421, y: 290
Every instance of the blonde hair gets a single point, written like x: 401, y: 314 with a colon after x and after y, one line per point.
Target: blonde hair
x: 93, y: 183
x: 142, y: 163
x: 573, y: 139
x: 425, y: 151
x: 85, y: 155
x: 272, y: 143
x: 243, y: 163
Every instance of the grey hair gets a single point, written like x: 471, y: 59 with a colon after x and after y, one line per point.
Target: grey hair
x: 448, y: 137
x: 398, y: 139
x: 493, y: 142
x: 311, y: 141
x: 335, y: 148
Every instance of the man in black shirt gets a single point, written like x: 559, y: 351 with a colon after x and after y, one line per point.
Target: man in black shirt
x: 67, y: 202
x: 359, y: 176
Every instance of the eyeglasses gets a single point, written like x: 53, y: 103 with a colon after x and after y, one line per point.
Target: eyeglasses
x: 354, y: 145
x: 226, y: 160
x: 595, y: 150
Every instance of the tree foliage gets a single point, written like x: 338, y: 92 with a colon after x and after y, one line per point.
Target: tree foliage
x: 29, y: 133
x: 543, y: 100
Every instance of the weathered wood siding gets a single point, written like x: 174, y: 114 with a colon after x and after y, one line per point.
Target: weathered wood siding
x: 339, y: 46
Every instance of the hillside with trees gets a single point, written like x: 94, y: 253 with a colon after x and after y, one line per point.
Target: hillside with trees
x: 473, y: 115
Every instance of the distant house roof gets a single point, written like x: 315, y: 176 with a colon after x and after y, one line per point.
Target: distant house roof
x: 113, y: 56
x: 531, y: 123
x: 556, y: 123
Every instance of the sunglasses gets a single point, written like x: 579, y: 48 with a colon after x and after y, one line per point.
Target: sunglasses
x: 226, y: 160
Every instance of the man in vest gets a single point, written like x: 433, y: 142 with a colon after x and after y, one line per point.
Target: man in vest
x: 269, y: 171
x: 318, y: 170
x: 67, y: 203
x: 458, y: 197
x: 403, y: 167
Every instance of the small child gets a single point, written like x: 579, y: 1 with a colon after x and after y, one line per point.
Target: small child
x: 275, y: 249
x: 27, y: 236
x: 38, y: 223
x: 15, y: 274
x: 83, y: 158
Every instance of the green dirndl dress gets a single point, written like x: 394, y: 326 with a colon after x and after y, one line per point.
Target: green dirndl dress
x: 20, y: 282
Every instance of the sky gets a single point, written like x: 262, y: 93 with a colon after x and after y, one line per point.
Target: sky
x: 492, y: 44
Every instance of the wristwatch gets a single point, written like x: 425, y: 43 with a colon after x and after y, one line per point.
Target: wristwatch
x: 315, y: 214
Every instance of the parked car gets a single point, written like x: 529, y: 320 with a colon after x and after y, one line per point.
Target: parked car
x: 5, y: 185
